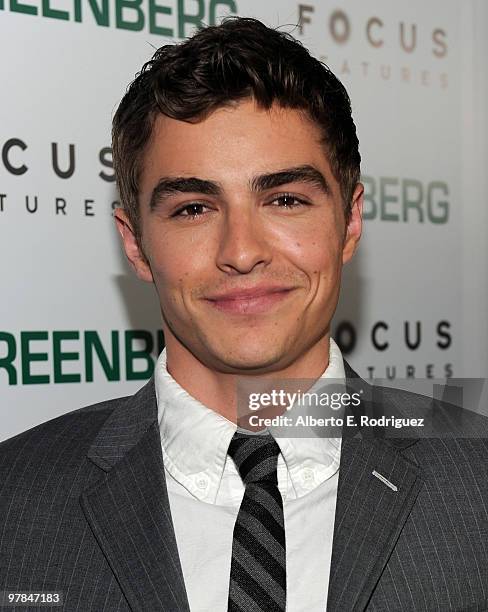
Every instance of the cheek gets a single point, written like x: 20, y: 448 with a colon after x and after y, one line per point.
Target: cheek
x: 318, y: 253
x: 170, y: 276
x: 174, y: 255
x: 178, y: 270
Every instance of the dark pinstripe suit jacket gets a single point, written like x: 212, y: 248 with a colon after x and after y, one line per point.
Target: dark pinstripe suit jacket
x: 84, y: 510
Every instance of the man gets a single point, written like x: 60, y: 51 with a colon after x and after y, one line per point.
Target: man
x: 238, y: 167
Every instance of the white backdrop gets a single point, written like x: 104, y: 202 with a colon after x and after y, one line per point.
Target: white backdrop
x: 415, y: 72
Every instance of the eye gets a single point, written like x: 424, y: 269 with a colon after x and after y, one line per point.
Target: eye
x: 288, y: 200
x: 194, y: 210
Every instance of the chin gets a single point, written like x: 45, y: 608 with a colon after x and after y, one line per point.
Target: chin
x: 250, y: 358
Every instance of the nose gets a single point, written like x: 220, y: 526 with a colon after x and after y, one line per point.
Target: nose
x: 242, y: 244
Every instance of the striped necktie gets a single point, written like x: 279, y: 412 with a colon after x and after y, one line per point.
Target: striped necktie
x: 258, y: 568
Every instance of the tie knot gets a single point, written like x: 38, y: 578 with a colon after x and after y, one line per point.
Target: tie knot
x: 256, y: 457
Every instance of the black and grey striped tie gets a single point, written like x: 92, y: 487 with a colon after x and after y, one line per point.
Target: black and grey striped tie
x: 258, y: 568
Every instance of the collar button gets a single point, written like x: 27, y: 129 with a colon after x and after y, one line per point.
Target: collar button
x: 202, y: 482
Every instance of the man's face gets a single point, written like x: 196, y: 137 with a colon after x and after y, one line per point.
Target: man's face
x: 242, y: 227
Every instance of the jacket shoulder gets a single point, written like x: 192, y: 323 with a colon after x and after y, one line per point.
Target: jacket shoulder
x: 449, y: 434
x: 59, y: 443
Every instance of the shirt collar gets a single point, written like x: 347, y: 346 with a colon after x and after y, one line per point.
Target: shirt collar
x: 306, y: 449
x: 195, y: 438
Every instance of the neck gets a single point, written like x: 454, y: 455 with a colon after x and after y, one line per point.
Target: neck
x: 219, y: 390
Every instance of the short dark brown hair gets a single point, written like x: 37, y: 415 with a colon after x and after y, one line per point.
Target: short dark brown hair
x: 219, y: 65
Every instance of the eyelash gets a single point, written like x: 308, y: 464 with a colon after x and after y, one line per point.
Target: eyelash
x: 301, y: 202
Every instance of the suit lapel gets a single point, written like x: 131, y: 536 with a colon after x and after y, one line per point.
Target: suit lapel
x: 369, y: 519
x: 369, y: 514
x: 128, y: 507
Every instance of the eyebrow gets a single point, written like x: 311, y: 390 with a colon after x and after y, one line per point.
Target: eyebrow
x: 168, y: 186
x: 298, y: 174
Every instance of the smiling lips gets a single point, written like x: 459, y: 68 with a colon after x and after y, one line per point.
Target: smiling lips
x: 250, y: 301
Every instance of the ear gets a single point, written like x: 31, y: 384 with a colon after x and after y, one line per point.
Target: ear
x: 136, y: 257
x: 354, y: 225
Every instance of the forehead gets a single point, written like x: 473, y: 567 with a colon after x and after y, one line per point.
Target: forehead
x: 232, y: 144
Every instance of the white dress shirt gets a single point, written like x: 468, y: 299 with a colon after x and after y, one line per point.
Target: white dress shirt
x: 205, y: 492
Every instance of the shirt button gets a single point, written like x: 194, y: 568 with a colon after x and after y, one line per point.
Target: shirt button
x: 308, y: 475
x: 202, y: 483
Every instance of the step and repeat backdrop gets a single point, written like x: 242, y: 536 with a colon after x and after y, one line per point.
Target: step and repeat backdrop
x: 76, y: 326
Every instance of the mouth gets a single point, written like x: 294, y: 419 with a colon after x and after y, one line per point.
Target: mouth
x: 250, y: 304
